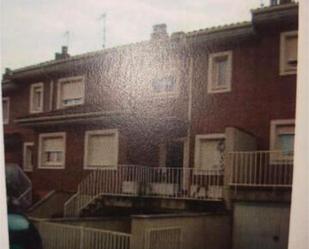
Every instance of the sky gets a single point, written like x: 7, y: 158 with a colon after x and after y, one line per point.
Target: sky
x: 33, y: 30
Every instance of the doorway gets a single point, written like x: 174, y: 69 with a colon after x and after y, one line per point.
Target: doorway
x: 174, y: 154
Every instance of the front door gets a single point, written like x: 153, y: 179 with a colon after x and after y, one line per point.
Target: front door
x: 174, y: 157
x: 260, y: 225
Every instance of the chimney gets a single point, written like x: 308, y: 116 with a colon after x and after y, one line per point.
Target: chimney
x: 63, y: 55
x: 8, y: 71
x: 159, y: 32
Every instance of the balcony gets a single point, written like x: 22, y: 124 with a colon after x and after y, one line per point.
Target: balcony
x: 148, y: 182
x: 261, y: 169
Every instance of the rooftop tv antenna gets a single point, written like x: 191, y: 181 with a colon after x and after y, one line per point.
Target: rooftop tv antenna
x: 102, y: 19
x: 66, y: 36
x: 262, y: 3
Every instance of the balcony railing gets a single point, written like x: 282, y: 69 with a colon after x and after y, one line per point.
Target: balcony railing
x: 278, y: 2
x: 261, y: 168
x: 134, y: 180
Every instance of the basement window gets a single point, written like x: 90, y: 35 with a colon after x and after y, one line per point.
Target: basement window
x: 6, y: 110
x: 52, y: 150
x: 71, y: 92
x: 101, y: 149
x: 36, y: 97
x: 220, y: 72
x: 288, y: 52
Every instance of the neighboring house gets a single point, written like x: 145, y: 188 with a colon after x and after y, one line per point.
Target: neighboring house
x: 204, y: 116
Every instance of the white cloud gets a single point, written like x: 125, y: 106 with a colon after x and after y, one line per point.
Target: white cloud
x: 32, y: 30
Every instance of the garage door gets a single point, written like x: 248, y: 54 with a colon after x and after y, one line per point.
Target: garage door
x: 257, y: 226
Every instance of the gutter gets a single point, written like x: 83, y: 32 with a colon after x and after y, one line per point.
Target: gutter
x: 63, y: 117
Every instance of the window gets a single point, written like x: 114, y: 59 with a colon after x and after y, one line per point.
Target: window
x: 220, y: 72
x: 71, y: 92
x: 36, y: 98
x: 164, y: 85
x: 282, y: 136
x: 209, y: 151
x: 6, y: 110
x: 52, y: 150
x: 101, y: 149
x: 288, y: 52
x: 28, y: 156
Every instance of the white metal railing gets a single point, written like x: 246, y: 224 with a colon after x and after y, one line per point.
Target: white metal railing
x: 70, y: 206
x: 61, y: 236
x: 134, y: 180
x: 260, y: 168
x: 278, y: 2
x: 26, y: 198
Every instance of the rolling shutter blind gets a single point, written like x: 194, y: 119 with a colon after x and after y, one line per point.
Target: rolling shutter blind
x: 210, y: 156
x: 291, y: 48
x: 53, y: 144
x: 72, y: 90
x: 102, y: 150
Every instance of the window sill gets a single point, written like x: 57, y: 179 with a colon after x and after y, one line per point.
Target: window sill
x: 164, y: 95
x: 225, y: 90
x: 35, y: 111
x: 51, y: 166
x: 102, y: 167
x: 285, y: 73
x: 61, y: 107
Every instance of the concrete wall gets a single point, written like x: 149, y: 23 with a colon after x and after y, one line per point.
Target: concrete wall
x: 51, y: 207
x: 239, y: 140
x: 117, y: 224
x: 236, y: 140
x: 111, y: 224
x: 199, y: 231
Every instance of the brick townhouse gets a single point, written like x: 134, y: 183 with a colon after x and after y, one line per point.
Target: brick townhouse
x: 205, y: 116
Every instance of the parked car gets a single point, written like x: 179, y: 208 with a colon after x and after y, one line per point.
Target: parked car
x: 22, y: 233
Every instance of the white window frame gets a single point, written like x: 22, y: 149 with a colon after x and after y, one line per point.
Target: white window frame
x: 66, y: 79
x: 25, y: 145
x: 283, y: 37
x: 211, y: 87
x: 7, y: 120
x: 273, y: 130
x: 51, y: 135
x: 101, y: 132
x: 198, y: 138
x: 32, y: 87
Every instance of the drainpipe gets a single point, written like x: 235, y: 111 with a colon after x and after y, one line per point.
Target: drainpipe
x: 188, y: 140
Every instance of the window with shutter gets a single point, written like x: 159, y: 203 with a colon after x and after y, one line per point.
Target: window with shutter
x: 288, y: 53
x: 71, y: 92
x: 220, y: 72
x: 209, y: 151
x: 101, y: 149
x: 28, y: 156
x: 5, y: 110
x: 36, y: 97
x: 52, y: 150
x: 282, y: 138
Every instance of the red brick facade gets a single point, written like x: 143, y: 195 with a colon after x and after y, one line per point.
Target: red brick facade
x: 117, y: 80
